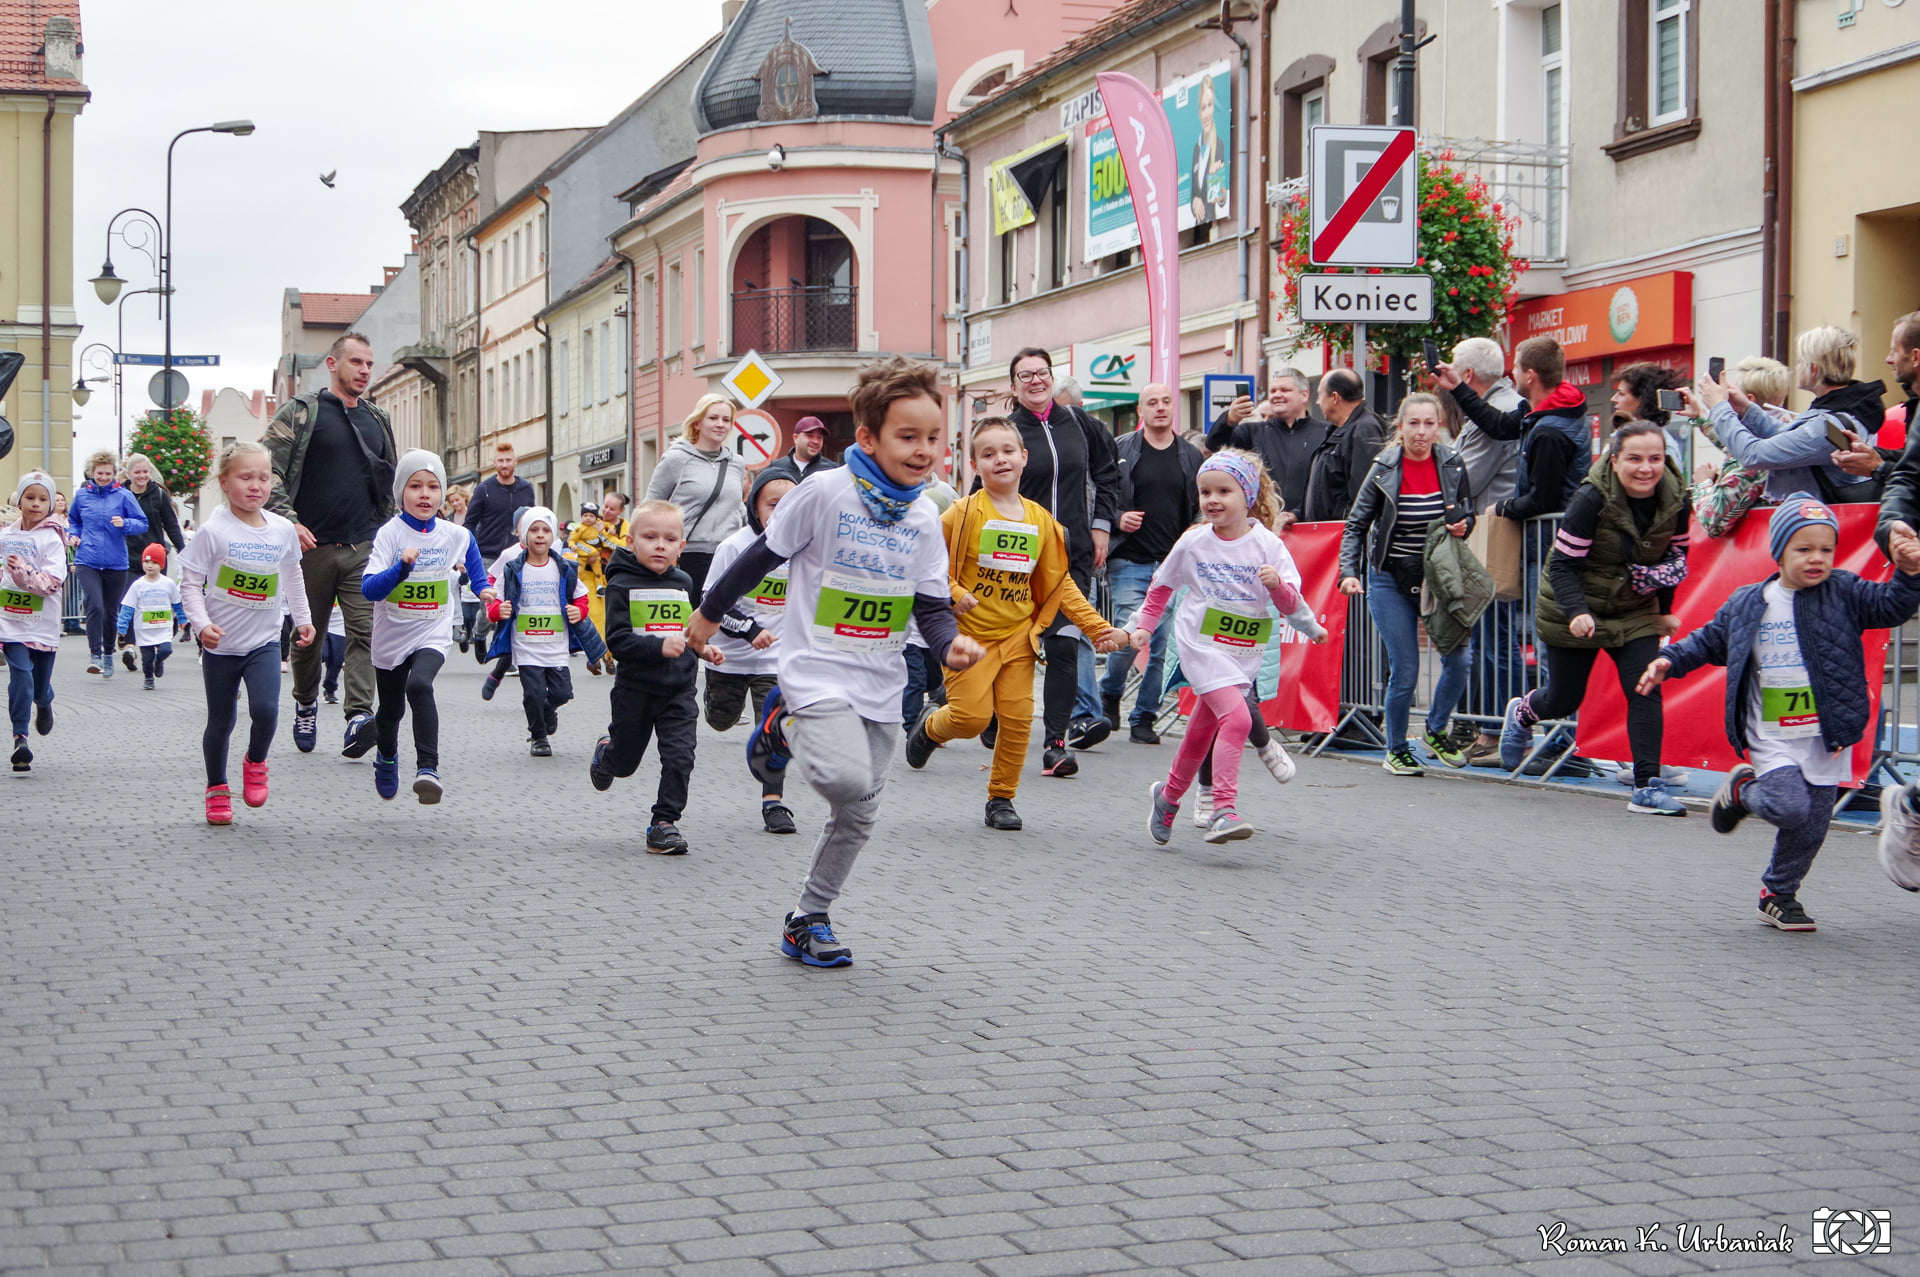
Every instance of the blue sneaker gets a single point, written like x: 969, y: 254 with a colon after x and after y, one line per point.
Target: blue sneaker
x: 767, y: 752
x: 306, y: 727
x: 809, y: 938
x: 1652, y: 799
x: 359, y: 738
x: 1160, y: 819
x: 1516, y: 732
x: 488, y: 686
x: 386, y: 776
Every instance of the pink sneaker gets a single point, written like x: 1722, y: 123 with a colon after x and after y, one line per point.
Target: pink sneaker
x: 219, y: 805
x: 253, y: 782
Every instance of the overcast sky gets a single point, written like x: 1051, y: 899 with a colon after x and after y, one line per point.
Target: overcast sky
x: 381, y: 92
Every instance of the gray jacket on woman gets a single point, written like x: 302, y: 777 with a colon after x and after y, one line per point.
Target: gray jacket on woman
x: 687, y: 477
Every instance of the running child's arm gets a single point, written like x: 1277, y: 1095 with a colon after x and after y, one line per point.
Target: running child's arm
x: 193, y: 590
x: 741, y: 575
x: 1292, y: 604
x: 44, y: 578
x: 124, y: 619
x: 476, y: 569
x: 384, y: 570
x: 1148, y: 617
x: 942, y: 633
x: 295, y: 584
x: 1881, y: 605
x: 739, y: 625
x: 1083, y: 614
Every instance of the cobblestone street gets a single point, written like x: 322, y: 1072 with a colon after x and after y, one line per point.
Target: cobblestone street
x: 1406, y: 1028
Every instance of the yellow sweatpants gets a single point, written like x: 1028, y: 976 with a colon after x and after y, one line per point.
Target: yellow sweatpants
x: 998, y: 684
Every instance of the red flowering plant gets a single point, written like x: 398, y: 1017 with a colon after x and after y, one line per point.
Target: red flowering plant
x: 1466, y: 244
x: 181, y: 449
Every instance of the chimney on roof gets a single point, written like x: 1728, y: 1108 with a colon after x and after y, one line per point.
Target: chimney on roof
x: 391, y: 271
x: 258, y: 395
x: 729, y: 10
x: 61, y: 49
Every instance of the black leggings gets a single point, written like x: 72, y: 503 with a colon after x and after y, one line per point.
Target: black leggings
x: 1059, y: 685
x: 1257, y: 736
x: 260, y: 671
x: 102, y: 589
x: 1569, y: 668
x: 409, y: 685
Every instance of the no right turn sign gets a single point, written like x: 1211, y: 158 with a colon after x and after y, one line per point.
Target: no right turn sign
x: 1363, y: 196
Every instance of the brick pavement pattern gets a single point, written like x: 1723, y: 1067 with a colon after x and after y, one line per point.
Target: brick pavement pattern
x: 1403, y: 1029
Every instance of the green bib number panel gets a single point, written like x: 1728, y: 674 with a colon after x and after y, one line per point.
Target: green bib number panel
x: 1231, y: 629
x: 659, y: 611
x: 256, y: 590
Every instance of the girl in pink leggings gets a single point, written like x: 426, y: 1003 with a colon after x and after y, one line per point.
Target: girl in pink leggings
x: 1233, y: 568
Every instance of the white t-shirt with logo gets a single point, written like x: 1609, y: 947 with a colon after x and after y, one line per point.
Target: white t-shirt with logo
x: 766, y: 603
x: 540, y: 620
x: 234, y: 576
x: 851, y: 584
x: 419, y: 611
x: 27, y: 617
x: 1226, y: 620
x: 152, y: 603
x: 1783, y: 722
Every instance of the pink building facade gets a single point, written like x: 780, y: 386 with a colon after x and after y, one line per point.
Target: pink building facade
x: 817, y: 219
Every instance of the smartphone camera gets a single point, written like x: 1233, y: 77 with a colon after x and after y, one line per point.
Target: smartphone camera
x: 1671, y: 401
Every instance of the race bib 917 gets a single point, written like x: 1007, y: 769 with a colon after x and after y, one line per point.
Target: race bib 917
x: 538, y: 624
x: 861, y: 614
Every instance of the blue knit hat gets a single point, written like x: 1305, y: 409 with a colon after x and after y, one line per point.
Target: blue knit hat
x: 1797, y: 513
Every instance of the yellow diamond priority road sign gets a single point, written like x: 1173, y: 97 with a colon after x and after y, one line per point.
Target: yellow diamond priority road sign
x: 752, y: 381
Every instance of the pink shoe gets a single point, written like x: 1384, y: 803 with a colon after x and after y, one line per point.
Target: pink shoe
x: 253, y: 782
x: 219, y: 805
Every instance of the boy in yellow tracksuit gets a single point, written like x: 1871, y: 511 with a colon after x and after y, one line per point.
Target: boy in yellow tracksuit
x: 1007, y: 568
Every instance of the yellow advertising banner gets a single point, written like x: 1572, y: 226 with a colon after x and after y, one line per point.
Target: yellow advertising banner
x: 1011, y: 207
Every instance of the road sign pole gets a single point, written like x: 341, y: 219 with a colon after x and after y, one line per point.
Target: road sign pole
x: 1403, y: 115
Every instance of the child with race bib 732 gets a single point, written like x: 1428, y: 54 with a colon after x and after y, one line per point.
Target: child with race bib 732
x: 410, y: 581
x: 34, y: 554
x: 232, y: 575
x: 1232, y: 566
x: 863, y: 552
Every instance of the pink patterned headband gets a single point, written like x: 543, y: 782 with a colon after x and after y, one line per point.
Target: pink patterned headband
x: 1242, y: 471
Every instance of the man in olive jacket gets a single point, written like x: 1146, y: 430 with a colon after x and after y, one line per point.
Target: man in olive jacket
x: 333, y: 460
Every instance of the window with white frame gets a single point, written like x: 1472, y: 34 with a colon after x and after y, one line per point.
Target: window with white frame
x: 647, y: 312
x: 560, y: 379
x: 623, y: 344
x: 672, y: 347
x: 492, y: 289
x: 1667, y: 61
x: 1553, y: 111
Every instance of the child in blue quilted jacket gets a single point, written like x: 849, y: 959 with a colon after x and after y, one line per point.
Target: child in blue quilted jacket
x: 1797, y: 694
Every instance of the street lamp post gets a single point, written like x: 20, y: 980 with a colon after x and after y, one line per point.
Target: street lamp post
x: 80, y: 391
x: 119, y: 370
x: 107, y: 285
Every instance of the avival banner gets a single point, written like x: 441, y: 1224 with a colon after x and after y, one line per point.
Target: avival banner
x: 1696, y: 705
x: 1145, y: 139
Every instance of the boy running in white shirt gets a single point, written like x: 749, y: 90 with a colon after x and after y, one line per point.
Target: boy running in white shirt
x: 863, y: 553
x: 409, y: 579
x: 150, y: 610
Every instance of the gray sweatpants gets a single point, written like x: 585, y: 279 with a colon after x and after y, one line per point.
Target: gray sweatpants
x: 845, y: 758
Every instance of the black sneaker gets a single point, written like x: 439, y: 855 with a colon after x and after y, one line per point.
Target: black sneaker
x: 1728, y: 811
x: 1001, y: 815
x: 602, y: 780
x: 126, y: 659
x: 149, y: 683
x: 777, y: 818
x: 1142, y: 733
x: 920, y: 746
x: 1057, y: 760
x: 1110, y: 706
x: 664, y: 839
x: 1085, y: 733
x: 22, y: 756
x: 306, y: 727
x: 1785, y: 913
x: 809, y: 938
x: 540, y: 748
x: 43, y: 719
x: 992, y: 734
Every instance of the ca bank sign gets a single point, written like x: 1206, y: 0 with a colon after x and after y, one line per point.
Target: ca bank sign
x: 1110, y: 374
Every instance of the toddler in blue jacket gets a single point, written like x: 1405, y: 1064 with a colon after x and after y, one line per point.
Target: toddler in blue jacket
x: 1797, y: 695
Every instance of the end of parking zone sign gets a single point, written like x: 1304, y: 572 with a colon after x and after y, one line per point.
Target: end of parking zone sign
x: 1363, y: 196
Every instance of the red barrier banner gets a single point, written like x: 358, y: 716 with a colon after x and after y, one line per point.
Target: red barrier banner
x: 1695, y: 706
x: 1308, y: 699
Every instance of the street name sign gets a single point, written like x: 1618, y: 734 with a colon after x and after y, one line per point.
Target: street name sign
x: 1363, y: 196
x: 179, y: 361
x: 1366, y: 299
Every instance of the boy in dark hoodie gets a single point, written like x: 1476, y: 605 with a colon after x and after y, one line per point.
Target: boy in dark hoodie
x: 648, y: 607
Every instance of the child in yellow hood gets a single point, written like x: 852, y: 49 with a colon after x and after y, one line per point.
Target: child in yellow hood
x: 1007, y: 566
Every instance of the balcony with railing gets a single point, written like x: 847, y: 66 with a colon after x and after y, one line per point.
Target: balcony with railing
x: 789, y: 320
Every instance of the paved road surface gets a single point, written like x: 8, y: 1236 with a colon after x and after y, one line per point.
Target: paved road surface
x: 1404, y: 1029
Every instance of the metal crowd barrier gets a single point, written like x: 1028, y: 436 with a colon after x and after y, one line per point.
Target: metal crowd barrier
x: 73, y: 606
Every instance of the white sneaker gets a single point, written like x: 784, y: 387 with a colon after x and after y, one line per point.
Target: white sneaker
x: 1202, y: 806
x: 1278, y: 760
x: 1899, y: 838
